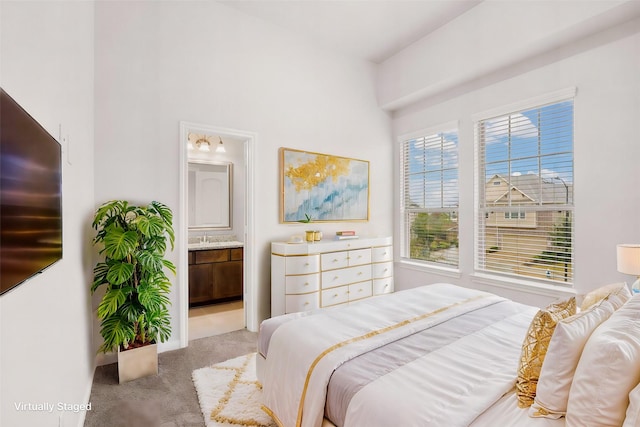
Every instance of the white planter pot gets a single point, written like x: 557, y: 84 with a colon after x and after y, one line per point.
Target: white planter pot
x: 137, y: 363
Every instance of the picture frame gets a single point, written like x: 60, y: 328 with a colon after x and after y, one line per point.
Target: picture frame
x: 317, y: 187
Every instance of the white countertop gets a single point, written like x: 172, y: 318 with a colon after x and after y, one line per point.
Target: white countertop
x: 215, y: 245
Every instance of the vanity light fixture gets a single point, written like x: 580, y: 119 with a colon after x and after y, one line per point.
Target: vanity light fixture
x: 201, y: 143
x: 220, y: 148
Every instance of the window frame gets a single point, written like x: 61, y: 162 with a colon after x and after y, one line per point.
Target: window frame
x: 519, y: 280
x: 405, y: 223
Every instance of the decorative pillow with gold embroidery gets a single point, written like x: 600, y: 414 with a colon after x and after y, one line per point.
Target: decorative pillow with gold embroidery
x: 569, y: 338
x: 534, y: 348
x: 618, y: 293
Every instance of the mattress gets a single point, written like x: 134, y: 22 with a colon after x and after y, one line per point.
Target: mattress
x: 448, y: 353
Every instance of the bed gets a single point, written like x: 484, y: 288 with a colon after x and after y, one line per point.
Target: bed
x: 434, y: 355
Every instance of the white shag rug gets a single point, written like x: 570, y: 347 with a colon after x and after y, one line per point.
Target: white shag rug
x: 230, y: 394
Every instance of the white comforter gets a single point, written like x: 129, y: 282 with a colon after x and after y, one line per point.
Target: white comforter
x: 480, y: 367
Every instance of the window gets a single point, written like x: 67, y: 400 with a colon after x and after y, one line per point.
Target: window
x: 430, y: 198
x: 525, y: 215
x: 514, y: 215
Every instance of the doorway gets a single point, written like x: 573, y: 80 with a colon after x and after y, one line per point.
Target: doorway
x: 223, y: 317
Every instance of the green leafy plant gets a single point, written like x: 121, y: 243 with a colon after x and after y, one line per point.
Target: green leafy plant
x: 133, y: 239
x: 307, y: 219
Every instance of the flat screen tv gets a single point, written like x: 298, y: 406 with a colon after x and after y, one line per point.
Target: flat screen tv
x: 30, y: 196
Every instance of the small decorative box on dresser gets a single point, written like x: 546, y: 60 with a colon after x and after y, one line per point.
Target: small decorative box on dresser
x: 306, y: 276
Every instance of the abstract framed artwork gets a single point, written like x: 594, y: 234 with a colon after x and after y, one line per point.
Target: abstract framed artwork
x: 323, y: 187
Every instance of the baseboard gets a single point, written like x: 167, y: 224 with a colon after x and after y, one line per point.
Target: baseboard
x: 87, y: 394
x: 106, y: 358
x: 169, y: 346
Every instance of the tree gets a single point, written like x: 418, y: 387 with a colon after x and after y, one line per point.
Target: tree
x: 430, y: 232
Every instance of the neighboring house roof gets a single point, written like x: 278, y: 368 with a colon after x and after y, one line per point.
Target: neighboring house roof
x: 544, y: 191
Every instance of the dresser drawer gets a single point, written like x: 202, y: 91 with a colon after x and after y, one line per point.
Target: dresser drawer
x: 330, y: 272
x: 383, y: 269
x: 360, y: 290
x: 295, y: 303
x: 302, y: 284
x: 334, y: 260
x: 381, y: 254
x: 302, y: 264
x: 345, y: 276
x: 335, y: 296
x: 215, y: 255
x: 359, y: 257
x: 382, y: 286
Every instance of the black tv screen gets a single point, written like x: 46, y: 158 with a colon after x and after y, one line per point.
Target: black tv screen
x: 30, y: 196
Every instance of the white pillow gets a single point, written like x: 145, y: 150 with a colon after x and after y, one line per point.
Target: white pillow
x: 568, y: 340
x: 633, y: 411
x: 608, y: 369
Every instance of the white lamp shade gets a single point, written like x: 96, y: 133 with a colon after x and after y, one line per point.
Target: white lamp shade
x: 629, y: 259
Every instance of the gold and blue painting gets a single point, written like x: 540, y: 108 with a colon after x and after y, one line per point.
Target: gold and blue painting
x: 323, y: 187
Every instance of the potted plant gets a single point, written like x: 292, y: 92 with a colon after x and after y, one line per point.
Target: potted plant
x: 134, y: 310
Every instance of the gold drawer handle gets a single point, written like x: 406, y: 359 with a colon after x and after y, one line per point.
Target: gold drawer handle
x: 335, y: 260
x: 359, y: 273
x: 335, y: 277
x: 306, y: 303
x: 306, y: 283
x: 335, y: 296
x: 386, y: 286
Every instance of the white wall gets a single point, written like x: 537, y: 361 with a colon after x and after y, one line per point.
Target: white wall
x: 604, y: 68
x: 158, y: 63
x: 487, y: 38
x: 45, y: 326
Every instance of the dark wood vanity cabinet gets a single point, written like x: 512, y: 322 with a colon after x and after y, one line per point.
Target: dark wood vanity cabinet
x: 215, y: 275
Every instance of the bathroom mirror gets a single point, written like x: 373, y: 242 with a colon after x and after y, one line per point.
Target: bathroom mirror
x: 210, y: 191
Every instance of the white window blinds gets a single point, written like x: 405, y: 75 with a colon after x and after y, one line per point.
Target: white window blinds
x: 525, y: 216
x: 430, y: 198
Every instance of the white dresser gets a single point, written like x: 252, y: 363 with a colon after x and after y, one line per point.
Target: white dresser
x: 306, y: 276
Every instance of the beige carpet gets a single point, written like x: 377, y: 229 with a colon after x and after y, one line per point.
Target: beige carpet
x: 230, y: 395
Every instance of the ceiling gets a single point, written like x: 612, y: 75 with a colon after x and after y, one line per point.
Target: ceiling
x: 373, y: 30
